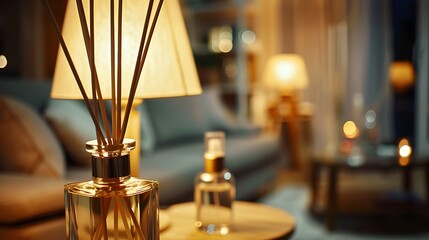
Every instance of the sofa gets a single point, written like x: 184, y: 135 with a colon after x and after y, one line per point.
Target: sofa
x: 42, y: 148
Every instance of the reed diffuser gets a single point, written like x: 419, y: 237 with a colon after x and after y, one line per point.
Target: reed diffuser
x: 114, y: 205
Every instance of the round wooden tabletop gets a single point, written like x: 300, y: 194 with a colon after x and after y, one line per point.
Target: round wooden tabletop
x: 251, y: 221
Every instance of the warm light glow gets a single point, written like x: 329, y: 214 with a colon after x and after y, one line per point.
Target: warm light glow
x: 198, y: 224
x: 404, y: 161
x: 404, y: 148
x: 405, y: 151
x: 3, y: 61
x: 207, y: 177
x: 220, y: 39
x: 169, y: 69
x: 350, y: 130
x: 224, y: 231
x: 286, y: 72
x: 225, y: 45
x: 401, y: 75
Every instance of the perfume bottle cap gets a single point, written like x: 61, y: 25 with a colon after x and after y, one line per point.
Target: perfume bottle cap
x: 215, y: 143
x: 214, y: 152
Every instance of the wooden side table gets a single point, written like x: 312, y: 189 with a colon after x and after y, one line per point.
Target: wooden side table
x: 251, y: 221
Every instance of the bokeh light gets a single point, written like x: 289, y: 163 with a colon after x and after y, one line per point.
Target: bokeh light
x: 350, y: 130
x: 3, y: 61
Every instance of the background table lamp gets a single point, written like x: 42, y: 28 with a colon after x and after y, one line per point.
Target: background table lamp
x: 401, y: 75
x: 287, y: 74
x: 169, y: 69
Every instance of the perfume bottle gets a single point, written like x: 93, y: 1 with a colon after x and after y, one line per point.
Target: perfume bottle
x: 113, y: 205
x: 214, y: 188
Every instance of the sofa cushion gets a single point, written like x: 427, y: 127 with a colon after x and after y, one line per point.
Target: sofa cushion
x: 177, y: 118
x: 188, y: 117
x: 29, y: 197
x: 28, y: 144
x: 73, y: 125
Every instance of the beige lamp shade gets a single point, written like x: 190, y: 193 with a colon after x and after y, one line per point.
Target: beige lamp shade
x: 169, y: 69
x: 286, y: 72
x: 401, y: 75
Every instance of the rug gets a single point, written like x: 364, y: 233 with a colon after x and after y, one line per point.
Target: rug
x: 294, y: 199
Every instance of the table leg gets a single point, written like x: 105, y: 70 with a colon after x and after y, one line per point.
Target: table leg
x: 427, y: 188
x: 332, y: 198
x: 314, y: 181
x: 406, y: 180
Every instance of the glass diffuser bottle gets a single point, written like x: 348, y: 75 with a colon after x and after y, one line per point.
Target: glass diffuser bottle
x: 214, y: 188
x: 113, y: 205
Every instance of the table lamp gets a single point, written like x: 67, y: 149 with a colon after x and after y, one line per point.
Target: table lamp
x: 286, y: 73
x: 169, y: 69
x: 105, y: 54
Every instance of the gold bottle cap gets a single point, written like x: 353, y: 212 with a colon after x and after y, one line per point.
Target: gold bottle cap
x: 110, y: 161
x: 213, y: 163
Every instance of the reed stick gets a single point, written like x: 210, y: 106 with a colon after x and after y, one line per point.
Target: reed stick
x: 92, y: 60
x: 98, y: 233
x: 104, y: 212
x: 115, y: 220
x: 119, y: 78
x: 138, y: 59
x: 152, y: 29
x: 74, y: 71
x: 112, y: 69
x: 135, y: 80
x: 133, y: 218
x: 124, y: 217
x: 73, y: 215
x: 96, y: 85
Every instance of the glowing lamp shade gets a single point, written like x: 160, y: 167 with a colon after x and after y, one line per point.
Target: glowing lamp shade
x: 286, y: 72
x: 169, y: 69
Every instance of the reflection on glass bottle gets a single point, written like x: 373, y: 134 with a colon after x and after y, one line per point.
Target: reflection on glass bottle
x: 113, y: 205
x: 214, y: 189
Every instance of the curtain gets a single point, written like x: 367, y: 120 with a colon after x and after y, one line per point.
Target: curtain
x: 370, y: 53
x: 347, y: 48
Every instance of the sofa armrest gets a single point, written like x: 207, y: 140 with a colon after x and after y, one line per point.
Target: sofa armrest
x: 25, y: 197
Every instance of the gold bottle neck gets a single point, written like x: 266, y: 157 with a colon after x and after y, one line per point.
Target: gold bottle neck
x: 110, y: 167
x: 213, y: 164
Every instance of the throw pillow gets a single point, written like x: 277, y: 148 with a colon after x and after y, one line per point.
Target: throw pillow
x: 73, y: 125
x: 27, y: 143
